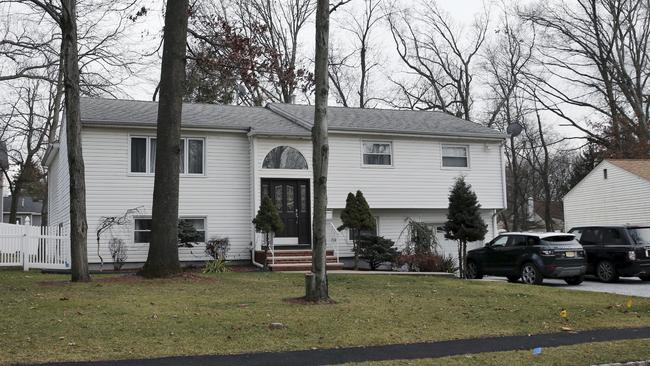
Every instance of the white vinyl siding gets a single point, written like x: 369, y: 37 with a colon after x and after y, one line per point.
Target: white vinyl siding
x: 622, y: 198
x: 416, y: 179
x: 221, y: 196
x: 58, y: 182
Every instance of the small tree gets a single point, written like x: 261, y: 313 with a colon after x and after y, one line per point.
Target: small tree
x: 187, y: 234
x: 118, y: 252
x: 357, y: 217
x: 377, y: 250
x: 267, y: 221
x: 464, y: 221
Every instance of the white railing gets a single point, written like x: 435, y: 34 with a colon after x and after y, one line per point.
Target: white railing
x: 34, y: 246
x: 333, y: 235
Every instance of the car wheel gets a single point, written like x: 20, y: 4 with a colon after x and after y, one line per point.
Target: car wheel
x: 645, y: 277
x: 531, y: 275
x: 574, y: 280
x: 472, y: 272
x: 606, y: 271
x: 513, y: 278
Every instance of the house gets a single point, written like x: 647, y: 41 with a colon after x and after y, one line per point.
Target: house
x: 27, y: 208
x: 538, y: 222
x: 405, y: 162
x: 615, y: 192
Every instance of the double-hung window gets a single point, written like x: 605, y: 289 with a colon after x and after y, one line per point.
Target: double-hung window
x: 143, y: 155
x: 142, y: 229
x: 377, y: 153
x: 455, y: 156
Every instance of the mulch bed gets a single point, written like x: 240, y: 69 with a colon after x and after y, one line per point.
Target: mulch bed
x: 303, y: 301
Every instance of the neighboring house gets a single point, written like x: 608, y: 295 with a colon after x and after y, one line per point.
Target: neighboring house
x: 405, y: 162
x: 615, y: 192
x: 539, y: 212
x: 27, y: 208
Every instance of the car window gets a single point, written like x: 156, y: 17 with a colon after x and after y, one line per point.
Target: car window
x: 517, y: 241
x: 590, y: 237
x: 531, y: 241
x: 500, y: 241
x: 612, y: 237
x: 577, y: 233
x: 641, y: 235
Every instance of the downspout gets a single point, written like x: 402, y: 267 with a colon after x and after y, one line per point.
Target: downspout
x: 251, y: 141
x: 503, y: 190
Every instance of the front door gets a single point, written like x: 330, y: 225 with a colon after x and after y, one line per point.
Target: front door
x: 291, y: 198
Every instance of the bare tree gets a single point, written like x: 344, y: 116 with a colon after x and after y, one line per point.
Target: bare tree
x: 26, y: 127
x: 162, y: 259
x: 251, y: 48
x: 316, y: 282
x: 506, y: 59
x: 596, y: 62
x: 350, y: 73
x: 440, y: 57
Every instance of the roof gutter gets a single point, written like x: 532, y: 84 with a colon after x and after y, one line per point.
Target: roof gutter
x: 51, y: 152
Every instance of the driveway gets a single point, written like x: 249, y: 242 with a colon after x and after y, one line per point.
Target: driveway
x: 629, y: 286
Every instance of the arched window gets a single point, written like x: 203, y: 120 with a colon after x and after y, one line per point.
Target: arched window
x: 284, y: 157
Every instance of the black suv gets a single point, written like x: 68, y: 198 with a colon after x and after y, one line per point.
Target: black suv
x: 531, y: 257
x: 614, y: 251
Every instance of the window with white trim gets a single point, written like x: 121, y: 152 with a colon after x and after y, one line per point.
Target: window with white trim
x: 143, y: 155
x: 455, y: 156
x: 377, y: 153
x: 142, y: 228
x: 199, y: 226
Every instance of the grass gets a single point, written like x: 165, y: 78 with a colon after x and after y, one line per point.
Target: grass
x: 45, y: 319
x: 579, y: 355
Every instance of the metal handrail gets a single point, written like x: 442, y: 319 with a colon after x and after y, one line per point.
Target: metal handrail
x: 336, y: 241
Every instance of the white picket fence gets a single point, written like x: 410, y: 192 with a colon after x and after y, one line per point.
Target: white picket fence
x: 39, y: 247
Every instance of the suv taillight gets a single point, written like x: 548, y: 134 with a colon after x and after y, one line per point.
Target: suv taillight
x: 548, y: 252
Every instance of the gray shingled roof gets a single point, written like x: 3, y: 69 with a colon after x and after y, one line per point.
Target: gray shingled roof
x: 389, y: 121
x: 283, y: 119
x: 99, y: 112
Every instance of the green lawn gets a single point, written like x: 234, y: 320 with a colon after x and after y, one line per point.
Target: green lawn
x: 45, y: 319
x: 579, y: 355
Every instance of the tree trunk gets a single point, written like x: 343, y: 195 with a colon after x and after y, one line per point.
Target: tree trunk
x: 460, y: 259
x: 15, y: 196
x: 162, y: 260
x: 464, y: 259
x: 316, y: 282
x: 78, y: 224
x: 515, y: 187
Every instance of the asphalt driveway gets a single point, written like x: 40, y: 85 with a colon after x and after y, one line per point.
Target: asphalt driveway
x: 629, y: 286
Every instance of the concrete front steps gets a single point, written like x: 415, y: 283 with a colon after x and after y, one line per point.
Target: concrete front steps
x: 298, y: 260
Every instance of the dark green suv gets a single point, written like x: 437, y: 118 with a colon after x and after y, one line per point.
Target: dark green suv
x: 530, y: 257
